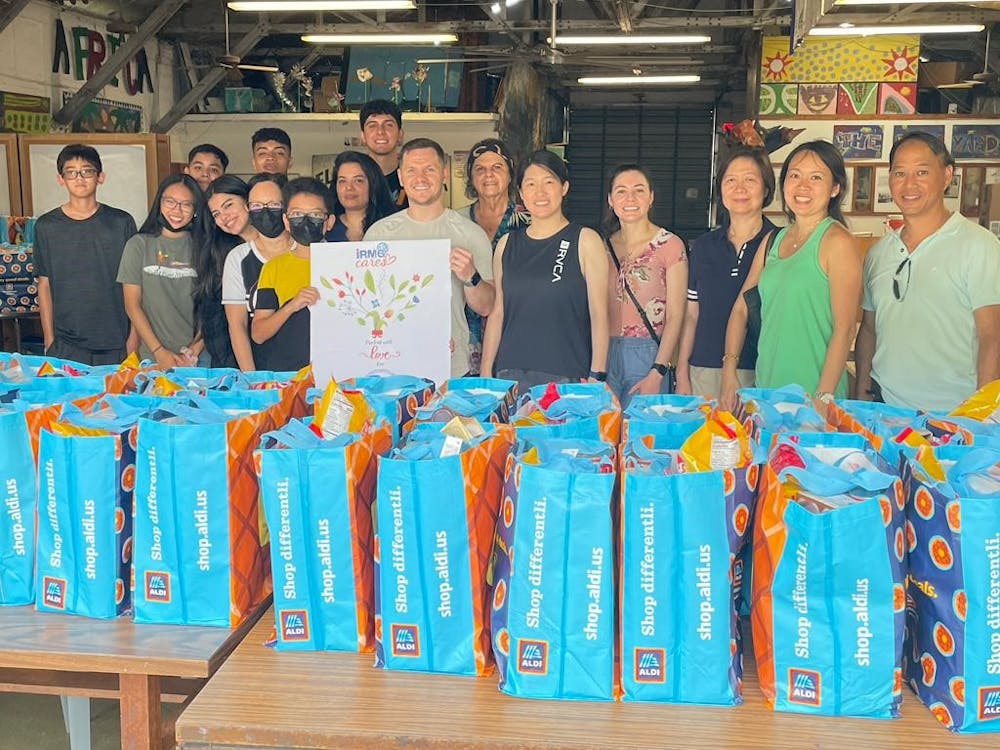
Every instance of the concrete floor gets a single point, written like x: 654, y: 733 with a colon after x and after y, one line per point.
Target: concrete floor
x: 35, y: 722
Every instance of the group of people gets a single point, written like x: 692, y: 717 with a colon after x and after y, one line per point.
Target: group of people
x: 219, y: 273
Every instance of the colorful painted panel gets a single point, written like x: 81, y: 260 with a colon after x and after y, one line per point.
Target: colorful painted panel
x: 858, y: 141
x: 898, y: 131
x: 857, y: 98
x: 24, y: 113
x: 779, y: 98
x: 106, y: 116
x: 817, y: 99
x: 975, y: 141
x: 841, y: 60
x: 897, y: 98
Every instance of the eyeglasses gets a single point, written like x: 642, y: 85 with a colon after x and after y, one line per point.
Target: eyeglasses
x: 87, y: 173
x: 899, y: 288
x: 255, y: 206
x: 171, y: 203
x: 318, y: 215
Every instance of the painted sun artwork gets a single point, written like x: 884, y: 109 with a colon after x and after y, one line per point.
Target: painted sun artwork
x: 776, y: 67
x: 901, y: 65
x: 841, y: 59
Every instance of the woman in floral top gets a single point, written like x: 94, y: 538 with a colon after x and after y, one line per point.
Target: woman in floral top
x: 489, y: 179
x: 650, y: 262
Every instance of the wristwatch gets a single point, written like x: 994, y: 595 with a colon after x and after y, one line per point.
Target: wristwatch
x: 662, y: 369
x: 474, y: 281
x: 600, y: 376
x: 824, y: 397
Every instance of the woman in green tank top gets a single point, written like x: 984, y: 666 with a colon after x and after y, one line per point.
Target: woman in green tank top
x: 809, y: 283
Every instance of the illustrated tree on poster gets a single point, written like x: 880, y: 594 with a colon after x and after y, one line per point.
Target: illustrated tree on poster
x: 376, y: 300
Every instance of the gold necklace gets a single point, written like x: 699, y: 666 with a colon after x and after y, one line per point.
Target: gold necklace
x: 798, y: 241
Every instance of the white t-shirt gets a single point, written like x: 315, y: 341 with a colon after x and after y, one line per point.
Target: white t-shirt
x: 234, y: 286
x: 462, y: 233
x: 926, y: 345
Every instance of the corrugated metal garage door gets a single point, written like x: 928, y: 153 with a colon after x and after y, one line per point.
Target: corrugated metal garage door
x: 675, y: 145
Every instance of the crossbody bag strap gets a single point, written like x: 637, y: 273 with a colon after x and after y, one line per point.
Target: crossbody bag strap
x: 631, y: 294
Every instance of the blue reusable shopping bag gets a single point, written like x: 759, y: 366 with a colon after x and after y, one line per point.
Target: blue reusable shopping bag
x: 317, y: 496
x: 767, y: 412
x: 663, y: 415
x: 828, y: 570
x: 436, y: 520
x: 682, y: 536
x: 952, y: 654
x: 199, y: 555
x: 553, y: 597
x: 86, y: 484
x: 588, y: 411
x: 395, y: 398
x: 17, y: 509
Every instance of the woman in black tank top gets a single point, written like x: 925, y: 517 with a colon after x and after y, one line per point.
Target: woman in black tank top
x: 550, y: 319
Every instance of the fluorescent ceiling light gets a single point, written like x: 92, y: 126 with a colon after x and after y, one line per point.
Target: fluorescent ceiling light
x: 333, y: 5
x: 379, y: 38
x: 911, y: 2
x: 634, y: 39
x: 262, y: 68
x: 944, y: 28
x: 633, y: 80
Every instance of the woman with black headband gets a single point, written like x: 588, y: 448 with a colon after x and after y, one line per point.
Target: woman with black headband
x: 489, y: 180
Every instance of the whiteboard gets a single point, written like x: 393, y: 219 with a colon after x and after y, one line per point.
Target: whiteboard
x: 4, y: 186
x: 124, y: 182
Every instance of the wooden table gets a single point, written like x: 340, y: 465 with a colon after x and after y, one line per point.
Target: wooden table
x: 141, y: 665
x: 263, y: 698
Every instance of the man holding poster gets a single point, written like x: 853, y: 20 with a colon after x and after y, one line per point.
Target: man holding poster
x: 423, y: 174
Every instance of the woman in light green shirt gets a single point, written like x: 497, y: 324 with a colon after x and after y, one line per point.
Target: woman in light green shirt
x: 809, y: 283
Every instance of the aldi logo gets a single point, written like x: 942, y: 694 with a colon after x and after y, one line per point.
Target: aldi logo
x: 157, y: 586
x: 54, y: 592
x: 405, y: 640
x: 803, y: 687
x: 650, y: 665
x: 533, y: 657
x: 294, y: 625
x: 989, y: 703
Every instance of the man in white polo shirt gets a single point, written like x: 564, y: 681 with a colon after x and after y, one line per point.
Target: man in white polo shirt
x: 930, y: 335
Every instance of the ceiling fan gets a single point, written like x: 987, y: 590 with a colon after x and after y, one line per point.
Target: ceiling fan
x: 229, y: 61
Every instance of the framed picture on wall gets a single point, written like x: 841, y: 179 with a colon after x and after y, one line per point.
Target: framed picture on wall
x: 973, y: 184
x: 883, y: 196
x: 954, y: 189
x: 863, y: 189
x: 10, y: 176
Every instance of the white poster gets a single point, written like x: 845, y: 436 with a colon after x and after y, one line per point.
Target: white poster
x: 384, y: 308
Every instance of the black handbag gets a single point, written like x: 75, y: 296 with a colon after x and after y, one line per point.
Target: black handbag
x: 671, y: 376
x: 752, y: 299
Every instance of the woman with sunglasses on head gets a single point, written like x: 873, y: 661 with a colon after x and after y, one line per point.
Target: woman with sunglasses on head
x: 158, y: 272
x: 550, y: 319
x: 265, y: 238
x: 809, y: 280
x: 489, y: 181
x: 647, y: 288
x: 361, y: 195
x: 226, y: 197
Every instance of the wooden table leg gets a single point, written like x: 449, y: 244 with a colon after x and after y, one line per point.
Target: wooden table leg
x: 141, y: 711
